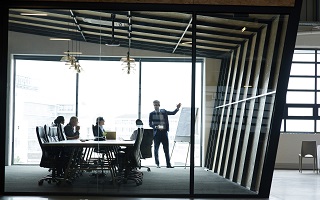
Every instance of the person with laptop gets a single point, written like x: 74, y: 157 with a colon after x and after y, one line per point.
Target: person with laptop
x: 158, y: 120
x: 98, y: 130
x: 100, y: 133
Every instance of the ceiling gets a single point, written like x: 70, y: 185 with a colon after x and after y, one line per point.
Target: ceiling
x: 170, y: 32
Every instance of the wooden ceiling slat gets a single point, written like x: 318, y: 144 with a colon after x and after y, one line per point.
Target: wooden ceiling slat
x: 285, y: 3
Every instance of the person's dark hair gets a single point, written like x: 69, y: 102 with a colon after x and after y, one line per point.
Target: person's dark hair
x: 156, y: 102
x: 139, y: 122
x: 99, y: 119
x: 58, y: 120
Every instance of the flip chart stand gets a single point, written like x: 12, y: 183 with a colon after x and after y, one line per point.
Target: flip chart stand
x: 184, y: 129
x: 185, y: 165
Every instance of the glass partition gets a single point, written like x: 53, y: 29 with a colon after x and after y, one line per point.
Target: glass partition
x: 229, y: 78
x: 246, y: 51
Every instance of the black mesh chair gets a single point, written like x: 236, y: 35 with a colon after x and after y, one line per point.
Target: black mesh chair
x: 61, y: 134
x: 50, y: 159
x: 146, y: 145
x: 129, y: 162
x: 98, y: 163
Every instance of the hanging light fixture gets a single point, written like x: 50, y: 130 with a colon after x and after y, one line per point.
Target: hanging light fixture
x: 70, y: 58
x: 73, y: 62
x: 128, y: 63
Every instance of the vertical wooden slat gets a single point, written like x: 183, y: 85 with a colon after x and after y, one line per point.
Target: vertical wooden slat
x: 234, y: 114
x: 243, y: 151
x: 226, y: 128
x: 273, y: 86
x: 236, y: 152
x: 222, y: 113
x: 265, y: 75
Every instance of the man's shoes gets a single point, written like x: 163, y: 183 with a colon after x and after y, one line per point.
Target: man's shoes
x: 169, y: 166
x: 158, y: 166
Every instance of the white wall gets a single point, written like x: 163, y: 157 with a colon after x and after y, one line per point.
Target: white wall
x: 289, y: 148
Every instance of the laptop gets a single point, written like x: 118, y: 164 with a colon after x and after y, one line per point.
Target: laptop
x: 111, y: 135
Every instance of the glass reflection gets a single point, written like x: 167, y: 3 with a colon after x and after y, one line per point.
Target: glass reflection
x: 239, y: 117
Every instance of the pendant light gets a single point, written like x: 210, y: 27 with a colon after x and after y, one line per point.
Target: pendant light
x: 127, y: 62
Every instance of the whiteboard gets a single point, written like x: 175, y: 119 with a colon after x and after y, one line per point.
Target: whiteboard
x: 184, y: 125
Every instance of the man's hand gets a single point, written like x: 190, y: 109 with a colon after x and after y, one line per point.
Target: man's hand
x: 179, y: 105
x: 77, y: 128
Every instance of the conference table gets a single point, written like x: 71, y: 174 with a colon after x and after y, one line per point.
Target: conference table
x: 80, y: 155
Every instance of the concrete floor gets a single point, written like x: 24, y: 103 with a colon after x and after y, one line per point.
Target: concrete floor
x: 286, y: 185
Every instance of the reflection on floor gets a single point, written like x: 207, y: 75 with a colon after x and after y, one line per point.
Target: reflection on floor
x: 158, y: 181
x: 287, y: 184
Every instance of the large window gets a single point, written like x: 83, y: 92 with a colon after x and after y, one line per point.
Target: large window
x: 301, y: 113
x: 170, y: 83
x: 43, y: 90
x: 47, y: 89
x: 107, y: 91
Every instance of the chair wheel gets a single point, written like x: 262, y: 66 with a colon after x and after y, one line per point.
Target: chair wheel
x: 40, y: 182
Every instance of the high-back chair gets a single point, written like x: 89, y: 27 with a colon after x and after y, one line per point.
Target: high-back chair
x: 146, y: 145
x: 308, y: 150
x: 53, y: 130
x: 99, y: 160
x: 131, y: 162
x: 46, y: 132
x: 51, y: 133
x: 61, y: 133
x: 136, y: 154
x: 49, y: 158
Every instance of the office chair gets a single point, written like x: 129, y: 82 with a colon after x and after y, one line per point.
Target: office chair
x: 98, y: 163
x: 46, y: 132
x: 129, y: 162
x: 51, y: 133
x: 61, y: 134
x: 49, y: 159
x: 308, y: 150
x: 146, y: 146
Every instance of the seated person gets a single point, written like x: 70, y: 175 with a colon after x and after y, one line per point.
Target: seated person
x: 139, y: 125
x: 98, y: 130
x: 72, y: 129
x: 58, y: 120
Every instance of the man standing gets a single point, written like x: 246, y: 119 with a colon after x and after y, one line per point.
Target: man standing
x: 158, y: 120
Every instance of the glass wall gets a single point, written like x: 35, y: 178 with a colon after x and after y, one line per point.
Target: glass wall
x: 223, y: 66
x: 244, y: 95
